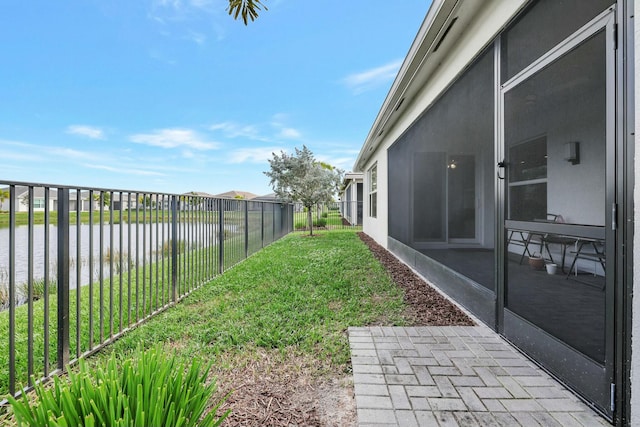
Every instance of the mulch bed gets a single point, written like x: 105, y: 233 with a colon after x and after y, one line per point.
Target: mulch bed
x: 426, y: 305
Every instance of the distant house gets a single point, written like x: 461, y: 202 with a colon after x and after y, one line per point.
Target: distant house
x: 21, y: 201
x: 351, y: 194
x: 509, y: 131
x: 234, y: 194
x: 198, y: 193
x: 271, y: 197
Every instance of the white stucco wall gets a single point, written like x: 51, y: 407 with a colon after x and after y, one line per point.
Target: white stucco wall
x: 635, y: 342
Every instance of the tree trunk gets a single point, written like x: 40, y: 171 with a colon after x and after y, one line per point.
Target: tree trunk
x: 310, y: 219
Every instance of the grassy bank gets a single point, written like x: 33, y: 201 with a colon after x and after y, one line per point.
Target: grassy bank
x: 104, y: 310
x: 150, y: 216
x: 22, y: 218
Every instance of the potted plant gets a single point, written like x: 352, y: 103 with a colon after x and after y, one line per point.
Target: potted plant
x: 536, y: 261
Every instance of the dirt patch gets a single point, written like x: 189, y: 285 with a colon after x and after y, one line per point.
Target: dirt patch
x: 280, y: 390
x: 275, y: 389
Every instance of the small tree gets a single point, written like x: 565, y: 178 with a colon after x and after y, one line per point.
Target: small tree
x: 103, y: 197
x: 300, y: 178
x: 4, y: 195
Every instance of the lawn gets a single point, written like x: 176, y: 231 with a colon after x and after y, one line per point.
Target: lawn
x: 281, y: 314
x: 300, y: 293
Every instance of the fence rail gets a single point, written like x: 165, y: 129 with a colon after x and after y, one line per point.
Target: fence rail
x: 344, y: 214
x: 81, y: 266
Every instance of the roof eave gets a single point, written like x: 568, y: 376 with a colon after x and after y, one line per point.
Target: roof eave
x: 429, y: 33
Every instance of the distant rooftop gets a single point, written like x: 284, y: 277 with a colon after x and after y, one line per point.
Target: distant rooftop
x: 234, y: 194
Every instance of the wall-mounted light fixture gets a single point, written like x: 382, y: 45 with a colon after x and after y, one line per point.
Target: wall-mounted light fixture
x: 572, y: 152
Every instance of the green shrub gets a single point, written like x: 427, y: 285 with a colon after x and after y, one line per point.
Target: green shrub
x: 324, y: 214
x: 38, y: 288
x: 149, y: 389
x: 301, y: 225
x: 320, y: 222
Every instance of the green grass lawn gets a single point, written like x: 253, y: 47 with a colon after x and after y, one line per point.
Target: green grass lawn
x: 282, y: 312
x: 297, y: 295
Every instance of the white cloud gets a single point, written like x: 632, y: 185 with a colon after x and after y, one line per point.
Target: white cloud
x: 196, y: 37
x: 88, y: 131
x: 174, y: 138
x: 278, y: 130
x: 234, y: 130
x: 370, y: 79
x: 70, y: 153
x: 253, y: 155
x: 129, y: 171
x: 289, y: 133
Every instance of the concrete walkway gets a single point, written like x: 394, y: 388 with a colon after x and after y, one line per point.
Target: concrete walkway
x: 454, y: 376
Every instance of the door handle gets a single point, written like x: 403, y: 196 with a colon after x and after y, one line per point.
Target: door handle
x: 503, y: 165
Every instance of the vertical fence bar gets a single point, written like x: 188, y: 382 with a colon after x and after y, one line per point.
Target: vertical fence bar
x: 101, y: 263
x: 156, y: 282
x: 78, y: 269
x: 46, y: 281
x: 30, y: 291
x: 162, y: 248
x: 174, y: 248
x: 129, y: 260
x: 144, y: 255
x: 246, y: 229
x: 200, y: 252
x: 183, y: 236
x: 191, y: 231
x: 112, y: 254
x: 210, y: 228
x: 220, y: 236
x: 12, y: 289
x: 137, y: 255
x: 120, y: 258
x: 91, y: 206
x: 262, y: 223
x: 63, y: 278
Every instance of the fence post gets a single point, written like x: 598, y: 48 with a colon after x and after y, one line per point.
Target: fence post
x: 12, y: 289
x: 246, y: 229
x: 63, y: 278
x: 174, y: 248
x: 220, y: 236
x: 262, y: 223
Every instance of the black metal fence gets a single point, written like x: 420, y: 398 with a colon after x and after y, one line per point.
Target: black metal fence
x: 81, y: 266
x: 334, y: 215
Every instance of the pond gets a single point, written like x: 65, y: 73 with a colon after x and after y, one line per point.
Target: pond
x: 142, y: 242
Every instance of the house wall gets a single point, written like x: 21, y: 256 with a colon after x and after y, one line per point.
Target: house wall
x: 489, y: 20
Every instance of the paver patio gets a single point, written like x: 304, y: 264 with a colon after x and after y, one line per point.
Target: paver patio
x: 455, y: 376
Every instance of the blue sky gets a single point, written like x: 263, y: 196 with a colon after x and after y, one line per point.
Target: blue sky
x: 176, y: 96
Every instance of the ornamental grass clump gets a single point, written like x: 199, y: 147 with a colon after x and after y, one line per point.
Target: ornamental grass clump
x: 150, y: 389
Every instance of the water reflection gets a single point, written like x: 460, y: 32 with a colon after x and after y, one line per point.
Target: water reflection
x: 124, y: 243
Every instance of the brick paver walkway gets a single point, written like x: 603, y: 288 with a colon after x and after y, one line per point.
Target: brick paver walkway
x: 454, y: 376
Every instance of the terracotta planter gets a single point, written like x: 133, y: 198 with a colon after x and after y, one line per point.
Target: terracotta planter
x: 536, y: 262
